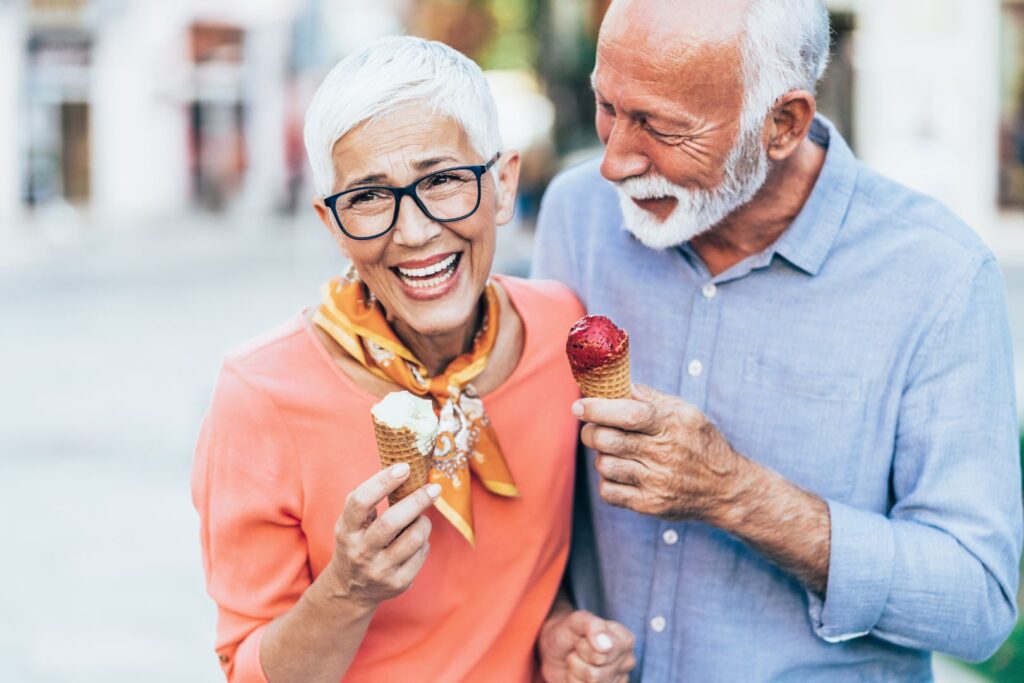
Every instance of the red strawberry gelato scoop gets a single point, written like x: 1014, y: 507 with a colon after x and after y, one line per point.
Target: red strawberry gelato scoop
x: 595, y: 341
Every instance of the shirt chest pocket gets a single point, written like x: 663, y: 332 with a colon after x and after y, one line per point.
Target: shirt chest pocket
x: 805, y: 425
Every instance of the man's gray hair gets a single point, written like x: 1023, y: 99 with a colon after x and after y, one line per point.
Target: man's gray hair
x: 785, y: 47
x: 386, y: 75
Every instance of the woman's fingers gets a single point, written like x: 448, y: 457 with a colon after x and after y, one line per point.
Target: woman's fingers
x: 582, y: 671
x: 390, y: 524
x: 408, y: 542
x: 621, y: 635
x: 408, y: 571
x: 363, y: 500
x: 604, y: 649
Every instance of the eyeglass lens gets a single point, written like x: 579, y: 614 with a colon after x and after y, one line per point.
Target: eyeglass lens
x: 446, y: 195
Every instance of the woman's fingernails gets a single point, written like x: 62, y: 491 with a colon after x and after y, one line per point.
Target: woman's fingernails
x: 577, y: 409
x: 400, y: 470
x: 603, y: 641
x: 434, y: 490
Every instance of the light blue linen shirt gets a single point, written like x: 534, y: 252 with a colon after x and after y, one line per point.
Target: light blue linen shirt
x: 865, y: 356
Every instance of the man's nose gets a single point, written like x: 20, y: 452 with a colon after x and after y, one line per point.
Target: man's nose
x: 623, y: 155
x: 413, y: 227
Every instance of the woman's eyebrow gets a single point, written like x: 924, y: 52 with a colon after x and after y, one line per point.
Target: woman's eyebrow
x: 380, y: 178
x: 424, y: 164
x: 371, y: 179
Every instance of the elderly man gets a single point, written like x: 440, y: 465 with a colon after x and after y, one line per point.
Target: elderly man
x: 821, y: 480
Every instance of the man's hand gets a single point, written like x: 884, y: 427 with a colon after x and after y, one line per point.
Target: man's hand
x: 580, y: 647
x: 660, y: 456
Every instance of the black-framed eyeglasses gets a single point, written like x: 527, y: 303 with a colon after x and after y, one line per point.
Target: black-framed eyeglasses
x: 451, y: 194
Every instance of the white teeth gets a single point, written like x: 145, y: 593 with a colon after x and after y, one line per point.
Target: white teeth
x: 432, y: 282
x: 429, y: 270
x: 446, y: 269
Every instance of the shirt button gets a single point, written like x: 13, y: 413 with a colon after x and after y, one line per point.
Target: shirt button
x: 670, y: 537
x: 658, y: 624
x: 695, y: 368
x: 709, y: 290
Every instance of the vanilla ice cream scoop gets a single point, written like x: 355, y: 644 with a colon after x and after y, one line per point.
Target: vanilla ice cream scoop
x: 406, y: 429
x: 401, y: 410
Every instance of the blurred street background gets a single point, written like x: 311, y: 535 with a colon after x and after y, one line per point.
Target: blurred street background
x: 154, y: 212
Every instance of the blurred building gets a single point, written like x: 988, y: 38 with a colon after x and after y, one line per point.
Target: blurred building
x: 925, y: 99
x: 125, y: 111
x: 133, y: 110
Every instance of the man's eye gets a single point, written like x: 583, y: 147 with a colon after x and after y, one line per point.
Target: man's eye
x: 671, y: 138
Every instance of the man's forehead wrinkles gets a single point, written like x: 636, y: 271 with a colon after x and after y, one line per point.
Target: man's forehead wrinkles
x: 660, y: 25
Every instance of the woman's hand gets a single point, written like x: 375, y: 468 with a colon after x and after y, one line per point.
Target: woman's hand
x: 580, y: 647
x: 376, y: 559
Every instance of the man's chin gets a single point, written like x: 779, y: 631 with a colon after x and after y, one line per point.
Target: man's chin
x: 654, y: 233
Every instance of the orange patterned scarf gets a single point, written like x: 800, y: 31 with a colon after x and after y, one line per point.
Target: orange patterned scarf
x: 466, y: 440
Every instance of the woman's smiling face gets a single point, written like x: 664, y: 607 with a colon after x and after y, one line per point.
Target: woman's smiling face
x: 428, y: 275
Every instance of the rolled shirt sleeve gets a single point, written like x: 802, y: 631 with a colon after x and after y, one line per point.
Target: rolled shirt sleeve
x: 940, y: 570
x: 247, y: 490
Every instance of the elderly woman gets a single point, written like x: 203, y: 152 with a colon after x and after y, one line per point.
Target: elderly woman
x: 316, y: 579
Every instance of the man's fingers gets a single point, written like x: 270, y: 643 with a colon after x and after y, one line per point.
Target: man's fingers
x: 622, y: 413
x: 618, y: 495
x: 610, y: 440
x: 620, y: 470
x: 383, y: 531
x: 642, y: 392
x: 362, y: 501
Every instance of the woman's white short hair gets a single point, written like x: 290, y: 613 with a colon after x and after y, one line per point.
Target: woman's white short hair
x: 785, y: 47
x: 386, y: 75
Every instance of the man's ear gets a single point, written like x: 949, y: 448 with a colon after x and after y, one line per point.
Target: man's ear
x: 506, y: 185
x: 791, y: 120
x: 327, y: 218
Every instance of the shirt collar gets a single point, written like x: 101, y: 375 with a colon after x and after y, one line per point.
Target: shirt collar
x: 807, y: 242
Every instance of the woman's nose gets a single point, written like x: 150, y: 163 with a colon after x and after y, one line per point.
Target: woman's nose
x: 413, y: 227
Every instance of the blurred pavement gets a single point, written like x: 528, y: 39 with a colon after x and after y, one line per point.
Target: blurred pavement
x: 108, y: 350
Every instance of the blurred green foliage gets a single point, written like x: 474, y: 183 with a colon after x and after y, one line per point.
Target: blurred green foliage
x: 515, y: 39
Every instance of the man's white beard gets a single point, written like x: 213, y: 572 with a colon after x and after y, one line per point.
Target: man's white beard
x: 696, y: 211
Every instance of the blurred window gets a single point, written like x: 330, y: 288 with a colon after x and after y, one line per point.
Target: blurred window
x: 836, y: 89
x: 1011, y: 124
x: 216, y: 115
x: 58, y: 13
x: 55, y: 134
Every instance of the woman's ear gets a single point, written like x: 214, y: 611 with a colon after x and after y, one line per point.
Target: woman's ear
x: 506, y: 185
x: 327, y: 218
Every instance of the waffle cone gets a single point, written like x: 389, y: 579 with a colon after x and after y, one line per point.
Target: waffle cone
x: 608, y: 381
x: 400, y: 445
